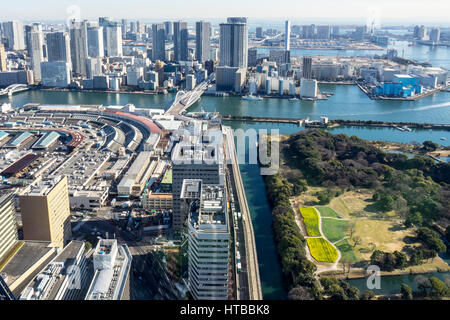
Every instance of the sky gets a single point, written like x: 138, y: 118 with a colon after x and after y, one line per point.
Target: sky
x: 383, y: 12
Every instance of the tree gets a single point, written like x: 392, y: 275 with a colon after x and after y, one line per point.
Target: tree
x: 429, y: 145
x: 300, y: 293
x: 401, y: 260
x: 414, y: 219
x: 351, y: 229
x: 87, y: 246
x: 356, y: 241
x: 438, y: 288
x: 406, y: 292
x: 367, y: 295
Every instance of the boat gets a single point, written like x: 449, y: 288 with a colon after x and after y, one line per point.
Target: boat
x: 406, y: 128
x: 251, y: 98
x: 293, y: 99
x: 442, y: 138
x: 400, y: 128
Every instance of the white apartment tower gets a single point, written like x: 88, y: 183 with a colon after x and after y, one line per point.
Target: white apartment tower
x: 208, y: 242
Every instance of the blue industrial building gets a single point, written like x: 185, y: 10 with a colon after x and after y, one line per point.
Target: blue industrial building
x: 402, y: 85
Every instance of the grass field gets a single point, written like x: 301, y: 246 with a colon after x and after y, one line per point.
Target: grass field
x: 322, y: 250
x: 311, y: 219
x: 333, y: 229
x: 347, y: 254
x: 327, y: 212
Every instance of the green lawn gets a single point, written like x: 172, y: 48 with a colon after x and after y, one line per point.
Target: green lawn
x: 322, y: 250
x: 347, y: 254
x: 327, y: 212
x: 311, y: 219
x: 334, y: 229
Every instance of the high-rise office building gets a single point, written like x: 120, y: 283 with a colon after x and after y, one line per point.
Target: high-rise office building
x: 27, y: 35
x: 14, y: 33
x: 335, y: 31
x: 308, y: 32
x: 95, y: 42
x: 8, y: 226
x: 37, y: 55
x: 55, y: 74
x: 208, y: 240
x: 58, y: 47
x: 46, y: 212
x: 280, y: 57
x: 159, y: 42
x: 208, y: 166
x: 3, y: 64
x: 202, y: 33
x: 307, y: 68
x: 113, y: 36
x: 168, y: 26
x: 252, y: 57
x: 435, y: 35
x: 234, y: 43
x: 124, y: 28
x: 259, y: 32
x: 180, y: 41
x: 79, y: 46
x: 323, y: 32
x: 112, y: 265
x: 287, y: 36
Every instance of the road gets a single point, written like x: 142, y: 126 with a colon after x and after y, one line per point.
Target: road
x: 148, y: 279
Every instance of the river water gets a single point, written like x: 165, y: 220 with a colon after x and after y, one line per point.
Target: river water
x: 348, y: 102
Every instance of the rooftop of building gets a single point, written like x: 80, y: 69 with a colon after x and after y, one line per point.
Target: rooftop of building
x: 29, y: 253
x: 46, y: 285
x: 186, y: 151
x: 109, y: 284
x: 167, y: 179
x: 43, y: 187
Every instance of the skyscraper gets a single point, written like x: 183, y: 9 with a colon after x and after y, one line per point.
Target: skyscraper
x: 95, y: 42
x: 287, y: 35
x: 124, y: 28
x: 78, y: 46
x: 8, y: 227
x: 3, y: 64
x: 234, y: 43
x: 113, y: 43
x: 168, y: 26
x: 307, y: 67
x: 180, y: 41
x: 323, y: 32
x: 46, y: 212
x: 202, y: 32
x: 13, y: 32
x: 58, y: 47
x: 208, y: 240
x: 37, y: 55
x: 159, y: 44
x: 435, y: 35
x: 259, y: 32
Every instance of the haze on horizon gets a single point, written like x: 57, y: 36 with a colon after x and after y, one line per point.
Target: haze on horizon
x: 386, y: 12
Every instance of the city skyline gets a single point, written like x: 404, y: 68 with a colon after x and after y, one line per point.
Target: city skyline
x: 322, y: 11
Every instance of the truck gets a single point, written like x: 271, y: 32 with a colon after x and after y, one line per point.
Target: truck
x: 239, y: 267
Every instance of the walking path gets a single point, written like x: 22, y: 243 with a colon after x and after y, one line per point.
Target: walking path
x: 320, y: 268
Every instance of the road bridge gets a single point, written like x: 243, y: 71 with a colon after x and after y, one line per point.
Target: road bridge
x: 185, y: 99
x: 13, y: 89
